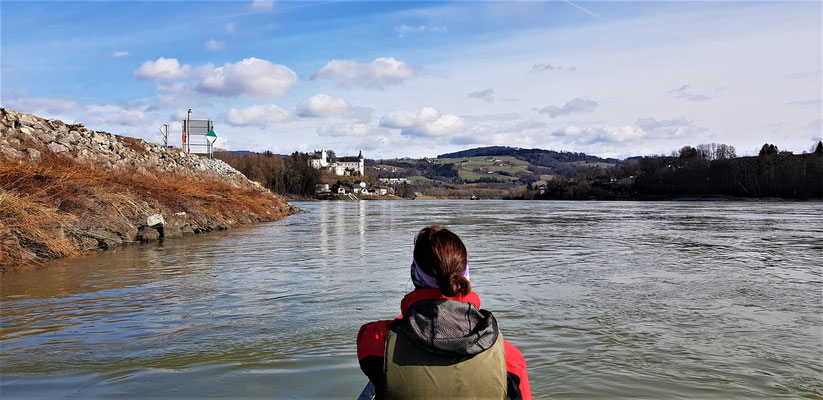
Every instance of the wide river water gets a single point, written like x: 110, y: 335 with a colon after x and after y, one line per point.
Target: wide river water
x: 664, y: 300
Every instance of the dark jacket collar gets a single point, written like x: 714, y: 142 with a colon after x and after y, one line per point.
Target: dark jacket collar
x: 434, y: 294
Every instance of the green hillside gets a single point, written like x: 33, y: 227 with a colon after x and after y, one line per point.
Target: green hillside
x: 501, y: 168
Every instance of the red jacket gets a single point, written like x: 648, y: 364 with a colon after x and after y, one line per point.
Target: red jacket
x: 371, y: 344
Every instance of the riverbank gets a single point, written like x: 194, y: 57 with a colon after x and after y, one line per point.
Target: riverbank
x: 67, y: 190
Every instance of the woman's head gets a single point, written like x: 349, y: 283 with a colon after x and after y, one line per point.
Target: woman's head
x: 440, y: 254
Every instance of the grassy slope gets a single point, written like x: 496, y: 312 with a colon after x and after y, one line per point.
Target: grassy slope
x: 475, y: 168
x: 59, y: 208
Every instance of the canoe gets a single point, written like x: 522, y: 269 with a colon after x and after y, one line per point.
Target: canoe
x: 367, y: 393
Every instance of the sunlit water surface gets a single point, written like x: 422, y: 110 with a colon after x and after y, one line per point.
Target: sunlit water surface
x: 605, y: 300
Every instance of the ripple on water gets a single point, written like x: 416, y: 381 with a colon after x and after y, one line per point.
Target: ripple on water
x: 605, y: 300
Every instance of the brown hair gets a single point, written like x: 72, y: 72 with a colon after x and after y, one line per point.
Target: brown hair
x: 441, y: 254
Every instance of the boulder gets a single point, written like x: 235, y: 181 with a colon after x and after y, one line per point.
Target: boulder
x: 27, y: 119
x: 155, y: 220
x: 10, y: 153
x: 57, y: 147
x: 26, y: 130
x: 147, y: 234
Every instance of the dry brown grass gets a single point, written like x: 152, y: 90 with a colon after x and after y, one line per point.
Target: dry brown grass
x: 42, y: 204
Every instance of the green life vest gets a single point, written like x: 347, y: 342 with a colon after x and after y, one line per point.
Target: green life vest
x: 414, y: 373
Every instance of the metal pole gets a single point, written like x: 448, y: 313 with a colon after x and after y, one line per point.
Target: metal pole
x: 188, y: 126
x: 165, y: 131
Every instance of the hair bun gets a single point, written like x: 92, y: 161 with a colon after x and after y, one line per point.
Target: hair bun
x: 454, y: 283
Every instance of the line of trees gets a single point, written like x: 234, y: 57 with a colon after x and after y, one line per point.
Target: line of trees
x: 703, y: 170
x: 771, y: 173
x: 285, y: 175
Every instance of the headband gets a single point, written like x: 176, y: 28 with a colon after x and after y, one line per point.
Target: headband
x: 422, y: 280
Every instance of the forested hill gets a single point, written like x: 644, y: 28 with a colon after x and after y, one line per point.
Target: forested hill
x: 547, y: 158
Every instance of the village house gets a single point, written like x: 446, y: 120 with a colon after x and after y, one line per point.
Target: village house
x: 393, y: 181
x: 342, y: 166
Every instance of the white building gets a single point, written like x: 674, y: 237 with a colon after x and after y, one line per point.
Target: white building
x: 343, y: 166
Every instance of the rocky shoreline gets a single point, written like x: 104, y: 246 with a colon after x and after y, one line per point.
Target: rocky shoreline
x: 67, y: 190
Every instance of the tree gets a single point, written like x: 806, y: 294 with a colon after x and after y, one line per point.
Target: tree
x: 725, y: 152
x: 768, y: 150
x: 688, y: 153
x: 819, y: 149
x: 331, y: 155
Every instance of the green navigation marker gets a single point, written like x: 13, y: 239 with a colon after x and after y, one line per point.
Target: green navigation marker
x: 211, y: 134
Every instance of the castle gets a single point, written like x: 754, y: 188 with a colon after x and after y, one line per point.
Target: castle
x: 343, y: 166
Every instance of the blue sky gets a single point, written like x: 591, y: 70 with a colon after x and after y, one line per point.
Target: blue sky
x: 423, y: 78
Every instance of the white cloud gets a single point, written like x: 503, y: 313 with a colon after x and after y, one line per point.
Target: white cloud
x: 115, y: 114
x: 580, y: 105
x: 811, y: 102
x: 426, y: 121
x: 487, y: 95
x: 174, y: 95
x: 322, y: 105
x: 403, y: 30
x: 668, y: 128
x: 509, y: 134
x: 250, y: 77
x: 261, y: 116
x: 684, y: 92
x: 214, y: 45
x: 361, y: 114
x: 381, y: 72
x: 263, y: 5
x: 118, y: 54
x: 43, y: 106
x: 540, y: 67
x: 229, y: 27
x: 347, y: 130
x: 492, y: 117
x: 598, y: 134
x: 162, y: 69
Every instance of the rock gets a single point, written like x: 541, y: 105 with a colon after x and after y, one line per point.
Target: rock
x: 147, y: 234
x: 99, y: 139
x: 11, y: 153
x: 43, y: 136
x: 27, y: 119
x: 57, y: 148
x: 88, y: 243
x: 155, y: 220
x: 33, y: 154
x: 26, y: 130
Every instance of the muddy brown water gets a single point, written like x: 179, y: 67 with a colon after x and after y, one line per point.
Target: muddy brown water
x: 675, y: 300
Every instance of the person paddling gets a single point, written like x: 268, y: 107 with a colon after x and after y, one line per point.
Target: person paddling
x: 444, y: 345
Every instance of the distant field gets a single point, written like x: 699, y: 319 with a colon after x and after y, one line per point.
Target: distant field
x: 475, y: 168
x: 592, y: 164
x: 419, y: 178
x: 474, y: 176
x: 389, y: 167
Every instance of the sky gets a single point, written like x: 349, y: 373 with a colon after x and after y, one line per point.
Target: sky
x: 418, y: 79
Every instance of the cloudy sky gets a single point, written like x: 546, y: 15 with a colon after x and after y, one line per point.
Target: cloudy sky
x: 419, y: 79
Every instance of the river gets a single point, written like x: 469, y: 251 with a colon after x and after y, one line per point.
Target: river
x: 676, y: 300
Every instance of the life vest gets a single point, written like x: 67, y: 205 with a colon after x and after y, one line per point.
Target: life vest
x: 414, y: 372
